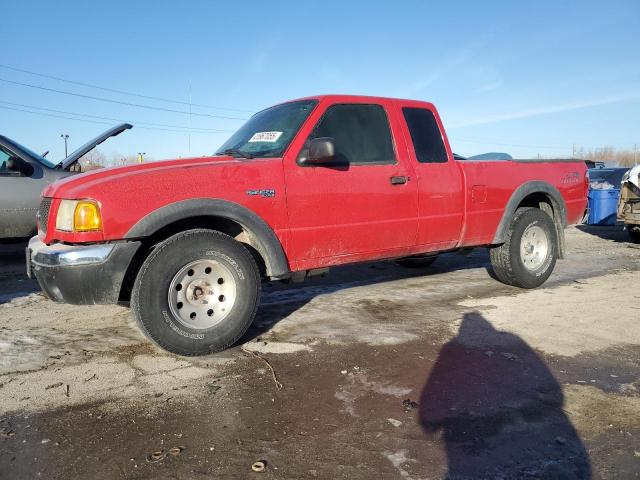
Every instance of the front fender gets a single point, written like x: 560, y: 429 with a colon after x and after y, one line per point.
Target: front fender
x: 266, y: 241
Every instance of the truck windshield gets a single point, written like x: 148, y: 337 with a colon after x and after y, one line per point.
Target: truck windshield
x: 269, y: 132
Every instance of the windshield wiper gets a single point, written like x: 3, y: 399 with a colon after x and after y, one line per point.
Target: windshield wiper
x: 234, y: 152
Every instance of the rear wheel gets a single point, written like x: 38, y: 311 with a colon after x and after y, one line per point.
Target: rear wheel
x: 527, y: 257
x: 196, y: 293
x: 634, y: 233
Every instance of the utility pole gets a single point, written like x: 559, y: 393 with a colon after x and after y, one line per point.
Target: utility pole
x: 65, y: 137
x: 635, y: 153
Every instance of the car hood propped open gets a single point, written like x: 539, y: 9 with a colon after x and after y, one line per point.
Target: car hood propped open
x: 87, y: 147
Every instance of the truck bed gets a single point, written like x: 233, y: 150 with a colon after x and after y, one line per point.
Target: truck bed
x: 490, y: 184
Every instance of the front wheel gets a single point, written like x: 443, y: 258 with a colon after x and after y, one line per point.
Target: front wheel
x: 528, y: 255
x: 196, y: 293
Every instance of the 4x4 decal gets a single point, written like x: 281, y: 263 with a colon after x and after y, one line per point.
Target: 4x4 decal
x: 267, y: 193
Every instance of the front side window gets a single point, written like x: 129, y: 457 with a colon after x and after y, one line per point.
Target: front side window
x: 4, y: 156
x: 425, y: 135
x: 361, y: 133
x: 269, y: 132
x: 23, y: 152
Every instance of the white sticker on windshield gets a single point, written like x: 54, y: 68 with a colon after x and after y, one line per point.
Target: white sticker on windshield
x: 265, y: 137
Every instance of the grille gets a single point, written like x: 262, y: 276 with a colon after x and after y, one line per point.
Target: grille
x: 43, y: 214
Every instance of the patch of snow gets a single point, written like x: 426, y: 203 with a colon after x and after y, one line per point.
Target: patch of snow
x: 394, y: 422
x: 398, y: 459
x: 276, y: 347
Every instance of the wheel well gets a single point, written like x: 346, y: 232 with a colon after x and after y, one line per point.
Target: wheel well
x: 542, y: 201
x: 545, y: 203
x: 221, y: 224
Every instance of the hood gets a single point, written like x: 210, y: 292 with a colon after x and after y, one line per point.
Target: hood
x: 87, y: 147
x: 75, y: 186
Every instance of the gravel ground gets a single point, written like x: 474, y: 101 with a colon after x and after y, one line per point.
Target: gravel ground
x: 372, y: 372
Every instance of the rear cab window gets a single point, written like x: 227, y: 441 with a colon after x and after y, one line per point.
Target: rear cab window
x: 361, y: 133
x: 425, y: 135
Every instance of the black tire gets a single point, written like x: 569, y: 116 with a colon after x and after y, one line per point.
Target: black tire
x: 506, y: 259
x: 417, y: 261
x: 634, y: 233
x: 150, y: 300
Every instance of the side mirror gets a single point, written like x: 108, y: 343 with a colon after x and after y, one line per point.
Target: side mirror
x: 321, y: 152
x: 16, y: 164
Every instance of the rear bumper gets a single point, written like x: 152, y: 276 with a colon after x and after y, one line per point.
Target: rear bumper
x: 80, y: 274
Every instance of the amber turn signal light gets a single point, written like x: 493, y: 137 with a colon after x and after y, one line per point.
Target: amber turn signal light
x: 87, y: 217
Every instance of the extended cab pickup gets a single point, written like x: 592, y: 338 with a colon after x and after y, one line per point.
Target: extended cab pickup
x: 302, y: 186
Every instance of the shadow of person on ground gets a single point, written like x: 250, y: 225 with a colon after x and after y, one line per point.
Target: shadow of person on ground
x: 498, y: 409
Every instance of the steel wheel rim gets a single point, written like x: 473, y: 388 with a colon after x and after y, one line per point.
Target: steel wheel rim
x: 534, y: 247
x: 202, y: 293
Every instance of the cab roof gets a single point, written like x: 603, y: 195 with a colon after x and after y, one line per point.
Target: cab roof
x: 361, y: 99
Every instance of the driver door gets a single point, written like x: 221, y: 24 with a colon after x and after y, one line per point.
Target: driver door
x: 365, y: 208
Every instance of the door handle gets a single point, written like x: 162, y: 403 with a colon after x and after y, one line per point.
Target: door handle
x: 400, y: 180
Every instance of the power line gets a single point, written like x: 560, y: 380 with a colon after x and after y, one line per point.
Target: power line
x: 122, y: 92
x: 203, y: 130
x: 108, y: 100
x: 90, y: 121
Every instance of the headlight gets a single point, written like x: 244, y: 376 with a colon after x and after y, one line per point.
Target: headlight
x: 78, y: 216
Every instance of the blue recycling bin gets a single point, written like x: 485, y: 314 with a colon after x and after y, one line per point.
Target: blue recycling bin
x: 602, y: 206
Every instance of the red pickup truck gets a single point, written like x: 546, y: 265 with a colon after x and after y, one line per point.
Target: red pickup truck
x: 302, y: 186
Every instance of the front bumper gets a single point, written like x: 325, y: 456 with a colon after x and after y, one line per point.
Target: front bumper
x: 80, y: 274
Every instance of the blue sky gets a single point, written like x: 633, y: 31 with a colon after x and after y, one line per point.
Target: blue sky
x: 526, y: 78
